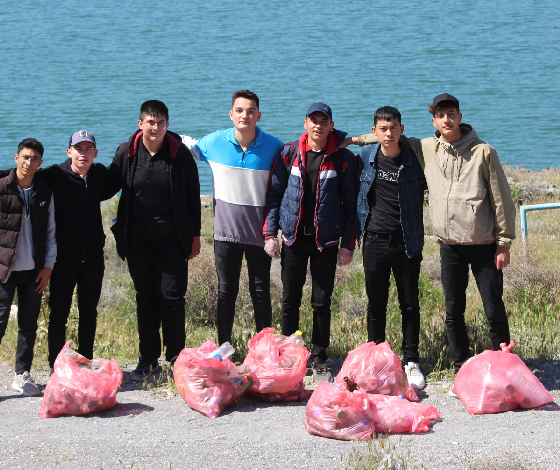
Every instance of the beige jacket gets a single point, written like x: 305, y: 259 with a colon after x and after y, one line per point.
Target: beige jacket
x: 470, y: 199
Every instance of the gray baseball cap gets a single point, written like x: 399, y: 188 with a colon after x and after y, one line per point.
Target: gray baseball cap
x: 81, y: 136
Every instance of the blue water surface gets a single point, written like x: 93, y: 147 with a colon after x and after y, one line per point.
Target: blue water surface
x: 70, y: 65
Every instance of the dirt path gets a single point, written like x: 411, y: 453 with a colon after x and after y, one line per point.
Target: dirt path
x: 152, y: 431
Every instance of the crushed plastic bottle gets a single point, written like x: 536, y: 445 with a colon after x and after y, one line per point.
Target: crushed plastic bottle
x: 223, y: 352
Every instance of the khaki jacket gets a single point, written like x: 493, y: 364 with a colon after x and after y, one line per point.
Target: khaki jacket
x: 470, y: 199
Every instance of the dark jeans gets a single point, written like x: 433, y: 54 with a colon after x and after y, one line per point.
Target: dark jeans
x: 383, y: 253
x: 455, y: 260
x: 229, y: 256
x: 65, y: 276
x: 159, y: 271
x: 29, y: 307
x: 294, y: 260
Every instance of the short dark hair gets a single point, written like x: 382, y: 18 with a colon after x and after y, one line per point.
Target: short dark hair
x: 386, y: 113
x: 245, y: 94
x: 31, y: 143
x: 153, y: 108
x: 443, y: 105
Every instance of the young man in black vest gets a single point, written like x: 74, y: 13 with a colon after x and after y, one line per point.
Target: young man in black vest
x: 27, y: 253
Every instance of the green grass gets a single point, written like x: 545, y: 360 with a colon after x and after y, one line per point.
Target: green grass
x: 532, y: 298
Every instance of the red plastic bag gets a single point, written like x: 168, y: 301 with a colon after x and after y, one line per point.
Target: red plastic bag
x: 337, y: 413
x: 376, y: 369
x: 79, y: 386
x: 207, y: 385
x: 398, y: 415
x: 278, y: 366
x: 496, y: 381
x: 298, y: 393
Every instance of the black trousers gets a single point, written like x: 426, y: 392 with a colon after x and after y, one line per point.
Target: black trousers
x: 294, y: 261
x: 159, y: 271
x: 228, y: 258
x: 455, y: 260
x: 88, y: 276
x: 383, y: 253
x: 29, y: 307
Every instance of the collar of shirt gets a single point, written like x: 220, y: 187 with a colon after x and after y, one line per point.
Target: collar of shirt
x: 76, y: 171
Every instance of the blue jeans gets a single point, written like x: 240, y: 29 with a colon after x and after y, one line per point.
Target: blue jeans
x: 29, y: 307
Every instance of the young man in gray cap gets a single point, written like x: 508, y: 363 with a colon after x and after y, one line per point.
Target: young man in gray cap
x: 312, y: 198
x: 473, y: 217
x: 78, y: 187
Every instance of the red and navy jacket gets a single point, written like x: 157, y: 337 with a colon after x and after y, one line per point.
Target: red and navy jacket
x: 336, y: 204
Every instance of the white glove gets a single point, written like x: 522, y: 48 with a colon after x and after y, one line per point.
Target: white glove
x: 272, y: 247
x: 344, y: 257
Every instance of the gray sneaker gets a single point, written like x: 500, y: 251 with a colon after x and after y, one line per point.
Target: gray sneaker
x: 24, y: 383
x: 320, y: 372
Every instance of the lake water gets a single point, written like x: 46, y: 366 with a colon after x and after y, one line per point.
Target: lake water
x: 72, y: 65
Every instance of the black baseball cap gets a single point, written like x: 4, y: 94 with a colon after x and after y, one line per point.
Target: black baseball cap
x: 445, y: 97
x: 320, y: 107
x: 81, y: 136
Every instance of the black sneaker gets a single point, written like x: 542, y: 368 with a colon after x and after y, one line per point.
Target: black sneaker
x: 143, y: 371
x: 320, y: 372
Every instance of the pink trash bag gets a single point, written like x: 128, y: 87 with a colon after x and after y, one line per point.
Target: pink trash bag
x: 397, y: 415
x: 337, y: 413
x: 496, y: 381
x: 376, y: 369
x: 298, y: 393
x: 79, y: 386
x: 278, y: 364
x: 207, y: 385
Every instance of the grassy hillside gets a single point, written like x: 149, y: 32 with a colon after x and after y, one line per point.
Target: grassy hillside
x: 532, y: 296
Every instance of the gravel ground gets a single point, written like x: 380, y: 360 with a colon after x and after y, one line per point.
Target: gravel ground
x: 150, y: 431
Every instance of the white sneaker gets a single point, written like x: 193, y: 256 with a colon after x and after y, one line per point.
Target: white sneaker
x: 24, y: 383
x: 415, y: 376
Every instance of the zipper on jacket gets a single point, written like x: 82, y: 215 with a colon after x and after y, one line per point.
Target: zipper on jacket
x: 85, y: 219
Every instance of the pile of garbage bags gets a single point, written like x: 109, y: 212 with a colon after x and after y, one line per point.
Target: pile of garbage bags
x: 370, y: 394
x: 79, y: 386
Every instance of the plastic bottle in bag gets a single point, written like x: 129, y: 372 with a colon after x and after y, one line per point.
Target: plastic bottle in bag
x: 223, y: 352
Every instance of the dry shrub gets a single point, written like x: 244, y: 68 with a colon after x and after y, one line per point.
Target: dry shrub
x: 508, y: 461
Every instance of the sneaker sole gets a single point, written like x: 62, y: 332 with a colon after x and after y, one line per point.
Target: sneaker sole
x: 27, y: 392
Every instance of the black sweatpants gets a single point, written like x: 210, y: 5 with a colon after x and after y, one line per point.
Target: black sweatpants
x: 88, y: 276
x: 294, y: 261
x: 455, y: 260
x: 228, y: 257
x: 383, y: 253
x: 159, y: 271
x: 29, y: 307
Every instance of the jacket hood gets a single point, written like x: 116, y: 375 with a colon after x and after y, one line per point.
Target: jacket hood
x: 469, y: 135
x: 173, y: 139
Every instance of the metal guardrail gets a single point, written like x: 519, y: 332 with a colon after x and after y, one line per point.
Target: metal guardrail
x: 535, y: 207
